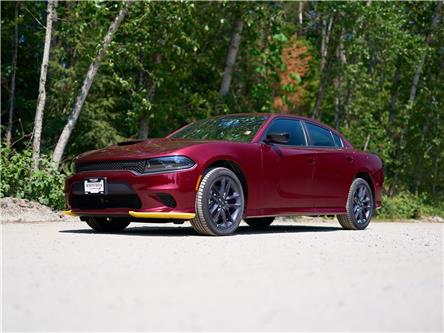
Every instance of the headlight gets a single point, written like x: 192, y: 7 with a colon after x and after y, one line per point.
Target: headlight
x: 169, y: 163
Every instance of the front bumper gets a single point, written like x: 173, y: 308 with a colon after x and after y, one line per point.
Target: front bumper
x: 165, y: 195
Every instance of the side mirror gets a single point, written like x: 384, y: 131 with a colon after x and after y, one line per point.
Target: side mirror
x: 279, y: 138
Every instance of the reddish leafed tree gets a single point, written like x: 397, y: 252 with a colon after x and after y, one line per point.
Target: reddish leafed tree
x: 296, y: 58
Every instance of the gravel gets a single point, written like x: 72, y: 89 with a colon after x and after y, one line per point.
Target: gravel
x: 308, y: 275
x: 22, y: 210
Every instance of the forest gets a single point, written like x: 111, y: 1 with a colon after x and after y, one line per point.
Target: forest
x: 80, y: 75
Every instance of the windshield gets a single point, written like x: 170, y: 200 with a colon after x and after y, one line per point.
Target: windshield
x: 231, y: 128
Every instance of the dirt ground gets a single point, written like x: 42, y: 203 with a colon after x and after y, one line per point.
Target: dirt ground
x: 22, y: 210
x: 301, y: 276
x: 301, y: 273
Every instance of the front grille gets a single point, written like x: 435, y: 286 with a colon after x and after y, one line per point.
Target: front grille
x: 133, y: 165
x: 106, y: 201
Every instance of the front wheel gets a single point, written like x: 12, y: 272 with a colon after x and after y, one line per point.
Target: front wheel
x: 359, y: 206
x: 259, y: 222
x: 107, y: 224
x: 219, y: 203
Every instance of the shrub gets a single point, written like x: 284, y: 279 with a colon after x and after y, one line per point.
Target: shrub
x: 407, y: 205
x: 18, y: 179
x: 404, y: 205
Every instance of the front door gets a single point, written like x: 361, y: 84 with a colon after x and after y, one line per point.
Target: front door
x: 287, y: 169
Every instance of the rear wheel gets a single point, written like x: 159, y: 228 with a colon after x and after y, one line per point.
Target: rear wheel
x: 219, y: 203
x: 359, y: 206
x: 107, y: 224
x: 259, y: 222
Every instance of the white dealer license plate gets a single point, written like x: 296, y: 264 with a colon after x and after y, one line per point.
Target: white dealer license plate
x: 95, y: 186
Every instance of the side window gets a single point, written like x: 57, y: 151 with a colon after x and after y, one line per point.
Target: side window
x: 337, y: 139
x: 320, y: 136
x: 291, y: 126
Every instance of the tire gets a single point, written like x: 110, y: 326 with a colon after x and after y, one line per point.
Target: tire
x: 359, y: 206
x: 219, y: 203
x: 259, y: 222
x: 107, y: 224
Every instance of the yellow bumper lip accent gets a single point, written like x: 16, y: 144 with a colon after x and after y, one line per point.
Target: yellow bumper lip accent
x: 69, y: 212
x: 162, y: 215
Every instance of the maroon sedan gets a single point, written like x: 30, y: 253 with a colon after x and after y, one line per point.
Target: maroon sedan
x: 218, y: 171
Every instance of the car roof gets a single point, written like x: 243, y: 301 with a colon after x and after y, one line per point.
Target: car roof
x: 272, y: 116
x: 283, y: 115
x: 294, y: 116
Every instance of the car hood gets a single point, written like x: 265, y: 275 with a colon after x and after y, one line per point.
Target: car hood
x: 138, y: 150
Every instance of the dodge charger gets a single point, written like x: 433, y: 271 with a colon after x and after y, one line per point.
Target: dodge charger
x: 217, y: 171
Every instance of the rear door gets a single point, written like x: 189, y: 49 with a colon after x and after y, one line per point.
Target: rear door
x: 334, y: 169
x: 287, y: 168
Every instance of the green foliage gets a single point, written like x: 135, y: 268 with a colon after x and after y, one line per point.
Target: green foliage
x: 408, y: 206
x: 18, y: 179
x: 166, y: 63
x: 404, y: 205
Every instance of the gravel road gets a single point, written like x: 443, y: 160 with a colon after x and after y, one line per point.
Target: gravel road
x: 302, y: 276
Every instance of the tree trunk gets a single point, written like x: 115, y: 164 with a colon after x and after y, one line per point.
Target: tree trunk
x: 42, y: 89
x: 89, y: 78
x: 338, y: 81
x: 394, y: 99
x: 337, y: 85
x: 420, y: 159
x: 367, y: 141
x: 326, y: 30
x: 144, y: 119
x: 435, y: 21
x: 14, y: 70
x: 435, y: 175
x: 56, y: 43
x: 301, y: 14
x: 143, y: 128
x: 231, y: 58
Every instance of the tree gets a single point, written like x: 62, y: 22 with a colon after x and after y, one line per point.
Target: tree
x: 144, y: 119
x: 14, y: 70
x: 231, y: 57
x: 327, y: 23
x: 419, y: 68
x: 38, y: 123
x: 373, y: 71
x: 89, y: 78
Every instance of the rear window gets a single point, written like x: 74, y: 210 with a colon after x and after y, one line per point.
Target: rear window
x: 337, y: 140
x: 320, y: 136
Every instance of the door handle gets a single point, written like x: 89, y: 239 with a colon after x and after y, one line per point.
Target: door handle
x: 311, y: 160
x: 349, y: 158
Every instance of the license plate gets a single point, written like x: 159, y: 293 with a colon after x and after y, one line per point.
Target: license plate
x: 95, y: 186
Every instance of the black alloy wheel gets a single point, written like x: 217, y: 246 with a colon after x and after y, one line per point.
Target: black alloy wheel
x: 219, y: 203
x: 360, y: 206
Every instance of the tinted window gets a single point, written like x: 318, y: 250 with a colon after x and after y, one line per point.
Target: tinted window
x: 320, y: 136
x: 337, y: 139
x: 232, y: 128
x: 291, y: 126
